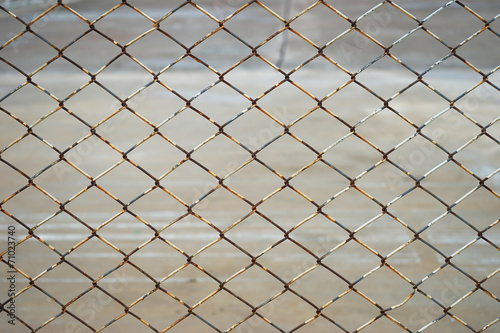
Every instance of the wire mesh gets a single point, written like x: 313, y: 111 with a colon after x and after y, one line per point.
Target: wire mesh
x: 358, y: 284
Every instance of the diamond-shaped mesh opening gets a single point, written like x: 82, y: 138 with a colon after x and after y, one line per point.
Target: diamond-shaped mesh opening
x: 71, y: 129
x: 190, y: 235
x: 387, y: 24
x: 329, y: 129
x: 320, y: 190
x: 221, y: 51
x: 482, y: 165
x: 352, y: 209
x: 319, y: 235
x: 63, y: 274
x: 294, y: 155
x: 354, y: 50
x: 347, y: 303
x: 199, y: 129
x: 55, y: 232
x: 320, y: 19
x: 483, y: 301
x: 248, y: 130
x: 46, y: 255
x: 157, y: 316
x: 419, y: 104
x: 385, y: 183
x: 32, y: 145
x: 287, y: 320
x: 31, y: 206
x: 190, y: 285
x: 263, y: 77
x: 38, y: 104
x: 478, y: 104
x: 126, y: 284
x: 254, y: 234
x: 91, y: 305
x: 146, y: 207
x: 480, y: 215
x: 127, y: 233
x: 97, y: 249
x: 202, y: 182
x: 166, y: 155
x: 242, y: 24
x: 12, y: 79
x: 62, y: 173
x: 320, y: 78
x: 263, y: 286
x: 459, y: 234
x: 298, y: 50
x: 120, y: 33
x: 379, y: 121
x: 435, y: 24
x: 92, y: 104
x: 487, y: 41
x: 449, y: 173
x: 243, y: 182
x: 74, y: 78
x: 416, y: 254
x: 429, y: 209
x: 441, y: 129
x: 124, y: 130
x: 13, y: 180
x: 447, y: 286
x: 479, y: 249
x: 228, y: 155
x: 236, y: 260
x: 305, y: 286
x: 113, y: 76
x: 399, y: 77
x: 401, y: 288
x: 90, y: 150
x: 222, y: 201
x: 274, y: 103
x: 340, y: 103
x: 291, y: 251
x: 417, y: 156
x: 104, y: 207
x: 18, y: 54
x: 360, y: 261
x: 286, y: 200
x: 354, y: 149
x: 35, y: 296
x: 156, y: 104
x: 227, y: 165
x: 397, y: 234
x: 11, y: 25
x: 92, y: 51
x: 223, y: 310
x: 188, y: 15
x: 57, y: 25
x: 156, y: 58
x: 465, y: 78
x: 209, y: 103
x: 147, y: 257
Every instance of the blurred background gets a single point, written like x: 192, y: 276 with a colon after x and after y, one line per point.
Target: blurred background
x: 174, y: 165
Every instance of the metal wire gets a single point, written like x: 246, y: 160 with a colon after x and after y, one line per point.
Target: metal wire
x: 254, y: 311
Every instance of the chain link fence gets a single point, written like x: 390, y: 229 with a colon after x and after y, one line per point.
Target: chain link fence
x: 243, y: 166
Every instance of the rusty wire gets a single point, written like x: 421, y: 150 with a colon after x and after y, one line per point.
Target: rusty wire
x: 253, y: 156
